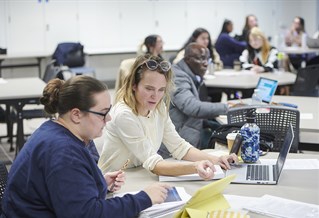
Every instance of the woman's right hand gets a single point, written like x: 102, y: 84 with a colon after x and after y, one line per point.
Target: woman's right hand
x: 205, y: 169
x: 157, y: 192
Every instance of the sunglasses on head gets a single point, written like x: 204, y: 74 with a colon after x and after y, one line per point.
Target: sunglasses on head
x: 165, y: 66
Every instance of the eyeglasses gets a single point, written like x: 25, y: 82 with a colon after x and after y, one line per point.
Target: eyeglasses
x: 99, y: 113
x: 202, y: 59
x: 153, y: 65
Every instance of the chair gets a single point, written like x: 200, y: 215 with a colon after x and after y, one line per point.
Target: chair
x: 72, y: 55
x: 3, y: 181
x: 124, y: 70
x: 272, y: 120
x: 51, y: 72
x: 307, y: 81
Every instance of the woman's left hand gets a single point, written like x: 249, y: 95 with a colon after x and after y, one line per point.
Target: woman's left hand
x: 224, y: 161
x: 115, y: 180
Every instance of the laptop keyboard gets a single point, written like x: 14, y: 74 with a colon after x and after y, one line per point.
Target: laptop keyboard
x: 258, y: 172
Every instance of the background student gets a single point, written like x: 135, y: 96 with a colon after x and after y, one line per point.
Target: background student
x: 141, y: 122
x: 259, y: 56
x: 228, y: 47
x: 250, y: 22
x: 191, y: 116
x: 201, y: 36
x: 294, y: 38
x: 55, y: 175
x: 153, y: 45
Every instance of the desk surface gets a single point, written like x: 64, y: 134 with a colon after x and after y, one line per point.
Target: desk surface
x: 25, y: 55
x: 299, y: 50
x: 21, y: 88
x: 245, y: 79
x: 300, y: 185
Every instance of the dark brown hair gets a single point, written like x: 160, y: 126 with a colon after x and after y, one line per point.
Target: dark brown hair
x: 61, y: 96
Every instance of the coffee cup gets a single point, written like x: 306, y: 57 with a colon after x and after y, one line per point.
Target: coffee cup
x: 237, y: 65
x: 230, y: 139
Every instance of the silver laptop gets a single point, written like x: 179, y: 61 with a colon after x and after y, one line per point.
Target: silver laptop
x: 263, y: 174
x: 267, y: 88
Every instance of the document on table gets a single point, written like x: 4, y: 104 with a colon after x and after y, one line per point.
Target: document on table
x: 176, y: 198
x: 219, y: 174
x: 2, y: 81
x: 295, y: 164
x: 306, y: 116
x: 281, y: 207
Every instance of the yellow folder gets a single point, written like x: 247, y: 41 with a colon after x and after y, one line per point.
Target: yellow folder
x: 208, y: 198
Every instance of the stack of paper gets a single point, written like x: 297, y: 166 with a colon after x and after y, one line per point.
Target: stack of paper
x: 176, y: 198
x: 219, y: 174
x: 281, y: 207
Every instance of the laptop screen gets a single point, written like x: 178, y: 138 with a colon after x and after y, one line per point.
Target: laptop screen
x: 284, y: 150
x: 267, y: 88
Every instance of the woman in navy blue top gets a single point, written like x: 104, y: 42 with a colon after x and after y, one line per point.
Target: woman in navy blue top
x: 228, y: 47
x: 55, y: 174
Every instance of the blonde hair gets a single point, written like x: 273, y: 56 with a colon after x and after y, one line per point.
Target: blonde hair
x: 265, y: 48
x: 126, y: 93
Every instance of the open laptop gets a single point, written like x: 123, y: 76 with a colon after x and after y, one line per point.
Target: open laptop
x: 267, y: 88
x: 263, y: 174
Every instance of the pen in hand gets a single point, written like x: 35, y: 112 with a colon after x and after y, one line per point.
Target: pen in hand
x: 122, y: 168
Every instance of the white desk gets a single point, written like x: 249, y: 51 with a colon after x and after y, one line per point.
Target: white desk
x: 299, y: 50
x: 38, y: 56
x: 230, y: 79
x: 300, y: 185
x: 17, y: 93
x: 309, y: 115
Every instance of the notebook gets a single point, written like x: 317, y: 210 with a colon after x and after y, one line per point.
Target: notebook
x: 267, y: 88
x: 263, y: 174
x: 312, y: 43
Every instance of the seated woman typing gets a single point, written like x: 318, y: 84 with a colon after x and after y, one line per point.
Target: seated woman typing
x: 141, y: 123
x: 259, y: 55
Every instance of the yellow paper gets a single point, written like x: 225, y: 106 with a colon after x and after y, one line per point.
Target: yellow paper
x: 208, y: 198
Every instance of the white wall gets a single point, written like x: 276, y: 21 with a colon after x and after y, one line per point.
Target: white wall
x: 37, y: 26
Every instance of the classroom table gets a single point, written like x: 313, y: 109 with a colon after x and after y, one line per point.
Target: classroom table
x: 33, y: 55
x: 299, y: 185
x: 242, y: 80
x: 17, y: 93
x: 299, y: 50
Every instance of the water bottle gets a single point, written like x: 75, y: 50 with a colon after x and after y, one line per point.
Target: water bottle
x: 280, y: 57
x: 256, y: 98
x: 251, y: 134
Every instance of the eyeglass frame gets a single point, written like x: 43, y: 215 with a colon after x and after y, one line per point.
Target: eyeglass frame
x: 99, y: 113
x: 157, y: 65
x: 201, y: 60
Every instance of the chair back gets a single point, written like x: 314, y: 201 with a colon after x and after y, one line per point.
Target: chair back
x: 272, y: 120
x: 306, y: 81
x: 3, y: 181
x: 70, y: 54
x: 124, y: 70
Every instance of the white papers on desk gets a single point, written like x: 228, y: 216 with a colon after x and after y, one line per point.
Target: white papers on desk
x: 3, y: 81
x: 281, y: 207
x: 295, y: 164
x: 306, y: 116
x: 219, y: 174
x: 160, y: 210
